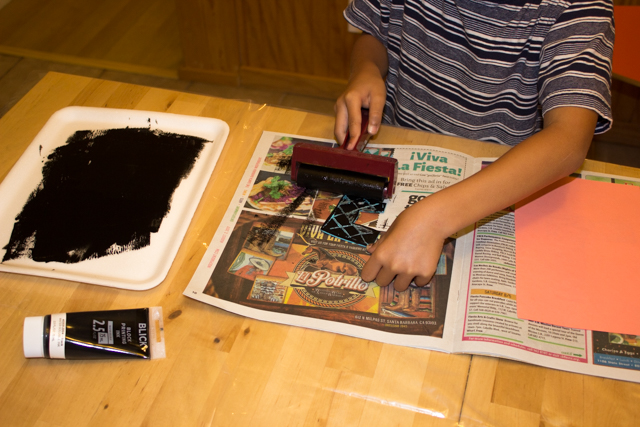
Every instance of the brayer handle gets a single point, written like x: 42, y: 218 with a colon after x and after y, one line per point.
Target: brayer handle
x: 364, y: 135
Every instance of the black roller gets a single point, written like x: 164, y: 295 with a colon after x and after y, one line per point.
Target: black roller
x: 341, y: 182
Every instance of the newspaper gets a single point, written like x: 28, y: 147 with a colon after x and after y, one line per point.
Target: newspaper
x: 269, y: 260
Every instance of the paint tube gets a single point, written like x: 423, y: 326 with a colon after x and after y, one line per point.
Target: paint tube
x: 114, y: 334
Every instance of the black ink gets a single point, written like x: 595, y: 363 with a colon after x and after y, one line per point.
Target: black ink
x: 102, y: 193
x: 341, y: 181
x: 175, y: 314
x: 341, y: 222
x: 284, y: 163
x: 260, y: 236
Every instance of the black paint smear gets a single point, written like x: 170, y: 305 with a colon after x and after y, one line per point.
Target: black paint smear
x: 100, y: 189
x: 260, y: 236
x: 284, y: 163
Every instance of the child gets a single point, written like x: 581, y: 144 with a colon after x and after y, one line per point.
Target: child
x: 487, y: 70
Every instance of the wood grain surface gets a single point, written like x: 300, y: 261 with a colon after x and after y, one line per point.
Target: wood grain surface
x: 225, y: 370
x: 298, y: 46
x: 127, y: 35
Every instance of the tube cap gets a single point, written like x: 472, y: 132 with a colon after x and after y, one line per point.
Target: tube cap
x: 32, y: 338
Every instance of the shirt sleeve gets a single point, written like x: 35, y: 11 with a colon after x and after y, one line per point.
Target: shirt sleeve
x: 370, y: 16
x: 575, y: 61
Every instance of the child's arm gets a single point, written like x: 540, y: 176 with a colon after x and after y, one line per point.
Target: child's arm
x: 369, y: 65
x: 412, y: 246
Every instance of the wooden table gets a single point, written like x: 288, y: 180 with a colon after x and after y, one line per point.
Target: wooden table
x: 226, y: 370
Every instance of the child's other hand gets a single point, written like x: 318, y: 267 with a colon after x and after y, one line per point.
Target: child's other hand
x: 408, y: 252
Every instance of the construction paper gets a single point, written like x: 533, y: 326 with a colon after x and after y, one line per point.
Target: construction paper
x: 578, y: 256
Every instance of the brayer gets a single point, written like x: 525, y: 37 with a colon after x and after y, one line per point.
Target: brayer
x: 342, y: 171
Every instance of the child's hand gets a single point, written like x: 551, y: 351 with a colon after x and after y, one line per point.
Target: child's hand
x: 366, y: 89
x: 408, y: 252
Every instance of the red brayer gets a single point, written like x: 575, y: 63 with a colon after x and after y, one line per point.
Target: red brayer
x: 342, y: 171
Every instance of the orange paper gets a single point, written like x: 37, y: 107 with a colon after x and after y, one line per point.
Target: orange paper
x: 578, y: 256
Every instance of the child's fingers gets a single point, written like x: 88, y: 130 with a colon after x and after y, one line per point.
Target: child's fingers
x: 376, y: 107
x: 355, y: 123
x: 342, y: 121
x: 421, y: 281
x: 370, y: 270
x: 372, y: 247
x: 385, y: 276
x: 402, y: 282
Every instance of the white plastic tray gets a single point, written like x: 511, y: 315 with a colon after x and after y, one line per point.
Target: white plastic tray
x: 138, y: 269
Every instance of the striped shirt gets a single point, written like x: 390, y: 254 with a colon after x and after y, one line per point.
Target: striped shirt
x: 489, y: 70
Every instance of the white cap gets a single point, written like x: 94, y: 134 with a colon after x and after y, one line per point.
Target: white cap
x: 33, y: 336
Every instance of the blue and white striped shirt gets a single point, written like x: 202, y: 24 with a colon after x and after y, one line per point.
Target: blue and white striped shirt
x: 489, y: 70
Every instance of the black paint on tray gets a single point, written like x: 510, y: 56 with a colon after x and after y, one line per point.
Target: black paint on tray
x: 102, y: 193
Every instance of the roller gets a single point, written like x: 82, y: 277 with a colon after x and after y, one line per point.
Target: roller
x: 342, y: 171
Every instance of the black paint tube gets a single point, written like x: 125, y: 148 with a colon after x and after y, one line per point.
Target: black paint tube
x: 114, y: 334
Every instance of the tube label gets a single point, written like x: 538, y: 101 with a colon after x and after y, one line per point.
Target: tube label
x: 57, y: 335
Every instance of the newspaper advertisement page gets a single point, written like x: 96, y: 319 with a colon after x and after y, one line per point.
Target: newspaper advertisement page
x: 488, y: 321
x: 270, y: 260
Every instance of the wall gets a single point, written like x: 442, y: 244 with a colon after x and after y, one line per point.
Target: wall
x: 300, y: 46
x: 303, y: 46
